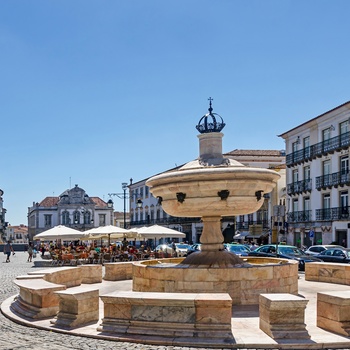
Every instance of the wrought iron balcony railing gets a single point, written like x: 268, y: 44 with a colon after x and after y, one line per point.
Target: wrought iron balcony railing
x: 164, y: 221
x: 331, y: 145
x: 299, y: 187
x: 300, y: 216
x: 331, y: 214
x: 336, y: 179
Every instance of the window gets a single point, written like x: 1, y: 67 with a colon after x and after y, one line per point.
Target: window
x: 326, y: 136
x: 326, y: 173
x: 295, y: 146
x: 87, y: 217
x: 344, y: 202
x: 295, y: 176
x: 306, y: 146
x: 141, y: 192
x: 146, y: 191
x: 307, y: 173
x: 344, y: 127
x: 295, y: 205
x: 326, y: 201
x: 102, y: 219
x: 344, y: 164
x: 48, y: 220
x: 65, y: 218
x: 76, y: 217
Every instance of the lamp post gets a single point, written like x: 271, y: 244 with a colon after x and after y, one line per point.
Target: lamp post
x: 123, y: 196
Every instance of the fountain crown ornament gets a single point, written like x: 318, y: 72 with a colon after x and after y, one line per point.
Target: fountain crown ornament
x: 210, y: 122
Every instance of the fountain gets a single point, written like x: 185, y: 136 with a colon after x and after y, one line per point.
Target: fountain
x: 210, y: 187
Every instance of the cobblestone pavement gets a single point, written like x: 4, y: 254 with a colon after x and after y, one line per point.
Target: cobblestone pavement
x: 16, y: 337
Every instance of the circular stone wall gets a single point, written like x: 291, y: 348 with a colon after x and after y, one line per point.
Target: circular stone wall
x: 243, y: 284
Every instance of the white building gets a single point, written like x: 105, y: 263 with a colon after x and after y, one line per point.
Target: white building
x: 73, y: 208
x: 317, y: 175
x: 17, y: 234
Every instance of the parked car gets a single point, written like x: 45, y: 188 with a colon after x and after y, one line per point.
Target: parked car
x: 194, y: 248
x: 181, y: 249
x: 285, y: 252
x: 337, y: 255
x: 317, y: 249
x: 164, y: 248
x: 238, y: 249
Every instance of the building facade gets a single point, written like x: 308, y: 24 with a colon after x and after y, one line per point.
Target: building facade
x: 3, y: 223
x: 73, y: 208
x: 17, y: 234
x: 256, y: 226
x: 318, y: 179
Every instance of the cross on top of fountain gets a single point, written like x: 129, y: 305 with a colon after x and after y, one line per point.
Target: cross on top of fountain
x: 210, y: 122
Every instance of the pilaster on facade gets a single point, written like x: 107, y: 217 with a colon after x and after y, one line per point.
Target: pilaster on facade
x: 318, y: 179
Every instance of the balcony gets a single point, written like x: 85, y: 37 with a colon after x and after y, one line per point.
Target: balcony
x: 299, y: 187
x: 164, y: 221
x: 300, y: 216
x: 244, y: 225
x: 331, y: 145
x: 331, y: 214
x: 336, y: 179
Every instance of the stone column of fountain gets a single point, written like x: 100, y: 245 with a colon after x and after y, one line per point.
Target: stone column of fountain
x: 210, y: 187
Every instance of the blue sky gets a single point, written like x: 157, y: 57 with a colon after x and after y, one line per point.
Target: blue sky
x: 97, y: 92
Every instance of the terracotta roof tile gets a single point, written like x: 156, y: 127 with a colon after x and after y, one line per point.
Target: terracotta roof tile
x: 99, y: 202
x: 49, y: 202
x: 253, y: 152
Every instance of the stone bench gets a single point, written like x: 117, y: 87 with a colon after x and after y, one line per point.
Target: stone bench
x: 282, y: 316
x: 118, y: 271
x: 69, y: 276
x: 147, y: 314
x: 333, y: 312
x: 37, y: 298
x: 29, y: 277
x: 328, y: 272
x: 78, y: 306
x: 91, y: 273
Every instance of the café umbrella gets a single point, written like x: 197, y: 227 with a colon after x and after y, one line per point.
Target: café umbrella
x: 59, y: 232
x: 109, y: 232
x: 157, y: 232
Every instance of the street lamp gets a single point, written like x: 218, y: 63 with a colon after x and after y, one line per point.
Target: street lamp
x: 124, y: 197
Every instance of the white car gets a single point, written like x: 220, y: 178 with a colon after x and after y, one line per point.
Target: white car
x: 181, y: 249
x: 317, y: 249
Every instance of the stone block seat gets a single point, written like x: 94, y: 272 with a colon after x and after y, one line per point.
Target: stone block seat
x: 282, y: 316
x: 91, y: 273
x: 69, y: 276
x: 168, y: 315
x: 333, y: 311
x: 328, y: 272
x: 118, y: 271
x: 37, y: 298
x: 78, y: 306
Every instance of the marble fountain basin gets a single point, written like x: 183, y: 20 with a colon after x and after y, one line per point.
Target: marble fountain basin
x: 203, y: 186
x: 243, y: 283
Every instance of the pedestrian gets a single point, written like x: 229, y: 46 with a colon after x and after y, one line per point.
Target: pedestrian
x: 8, y: 249
x: 30, y: 252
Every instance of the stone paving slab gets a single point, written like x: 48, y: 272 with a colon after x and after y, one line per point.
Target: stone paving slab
x: 245, y: 323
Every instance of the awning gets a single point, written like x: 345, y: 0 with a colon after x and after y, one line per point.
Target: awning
x: 240, y: 235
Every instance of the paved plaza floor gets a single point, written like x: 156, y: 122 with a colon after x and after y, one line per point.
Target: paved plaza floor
x: 16, y: 333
